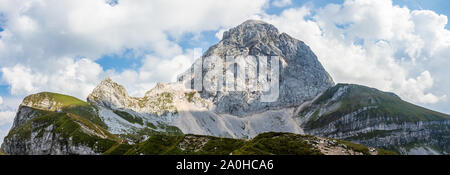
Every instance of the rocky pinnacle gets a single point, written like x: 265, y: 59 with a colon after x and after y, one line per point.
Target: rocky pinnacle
x: 301, y: 75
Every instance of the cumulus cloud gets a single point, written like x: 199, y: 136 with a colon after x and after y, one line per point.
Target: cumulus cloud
x: 155, y: 70
x: 374, y: 43
x: 52, y: 45
x: 6, y: 117
x: 41, y: 30
x: 8, y: 107
x: 416, y: 88
x: 67, y: 76
x: 3, y: 133
x: 43, y: 41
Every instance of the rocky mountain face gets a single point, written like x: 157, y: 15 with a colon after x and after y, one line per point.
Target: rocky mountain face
x: 49, y: 123
x: 173, y: 108
x: 372, y: 117
x: 301, y: 76
x: 112, y: 122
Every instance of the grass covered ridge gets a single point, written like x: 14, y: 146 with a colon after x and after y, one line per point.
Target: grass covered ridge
x: 128, y: 117
x: 264, y: 144
x: 68, y: 129
x: 75, y: 122
x: 378, y: 104
x: 64, y: 103
x: 278, y: 144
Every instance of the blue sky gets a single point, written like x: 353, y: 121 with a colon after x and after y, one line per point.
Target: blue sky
x: 126, y: 58
x: 70, y: 46
x: 117, y: 61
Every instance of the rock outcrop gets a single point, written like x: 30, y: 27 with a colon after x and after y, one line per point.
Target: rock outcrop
x: 301, y: 75
x: 375, y: 118
x: 308, y: 103
x: 54, y: 124
x: 173, y: 107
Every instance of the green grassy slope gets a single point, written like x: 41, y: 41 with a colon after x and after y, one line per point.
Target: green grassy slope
x: 72, y: 117
x: 278, y: 144
x: 65, y: 100
x: 264, y: 144
x: 394, y: 124
x: 383, y: 104
x: 73, y: 120
x: 185, y: 145
x: 69, y: 127
x: 67, y: 104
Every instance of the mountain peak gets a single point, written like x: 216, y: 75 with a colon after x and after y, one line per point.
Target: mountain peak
x: 299, y: 68
x: 159, y: 87
x: 258, y: 24
x: 254, y: 21
x: 108, y: 79
x: 108, y: 93
x: 251, y: 30
x: 108, y: 82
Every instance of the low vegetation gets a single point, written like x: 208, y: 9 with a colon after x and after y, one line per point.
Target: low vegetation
x: 118, y: 149
x: 377, y: 104
x: 128, y: 117
x: 190, y: 96
x: 264, y: 144
x: 278, y: 144
x: 62, y: 101
x: 69, y: 129
x: 67, y: 104
x: 76, y: 123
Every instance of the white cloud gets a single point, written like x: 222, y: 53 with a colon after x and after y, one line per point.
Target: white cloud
x: 155, y: 70
x: 7, y: 114
x: 376, y: 44
x: 3, y: 133
x: 431, y: 27
x: 46, y: 30
x: 43, y: 40
x: 67, y: 76
x: 416, y: 88
x: 10, y: 103
x: 281, y: 3
x: 367, y: 42
x: 6, y: 117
